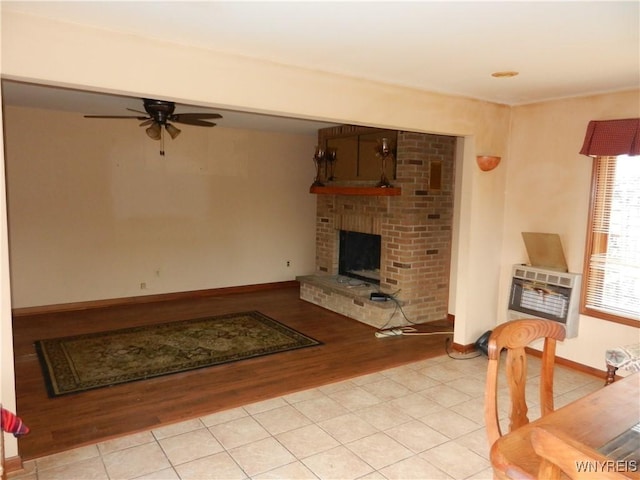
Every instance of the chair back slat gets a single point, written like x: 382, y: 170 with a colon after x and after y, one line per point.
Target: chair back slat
x: 516, y: 372
x: 515, y: 336
x: 546, y: 376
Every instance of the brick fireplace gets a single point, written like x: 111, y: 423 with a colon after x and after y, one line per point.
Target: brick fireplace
x: 415, y: 229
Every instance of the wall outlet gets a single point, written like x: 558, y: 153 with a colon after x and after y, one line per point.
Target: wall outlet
x: 288, y: 263
x: 143, y: 286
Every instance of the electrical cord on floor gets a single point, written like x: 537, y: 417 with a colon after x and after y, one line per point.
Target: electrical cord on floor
x: 406, y: 331
x: 413, y: 331
x: 395, y: 310
x: 398, y: 307
x: 404, y: 315
x: 446, y: 349
x: 385, y: 331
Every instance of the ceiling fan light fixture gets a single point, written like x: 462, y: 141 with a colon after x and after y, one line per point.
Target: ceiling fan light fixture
x: 154, y: 132
x: 173, y: 131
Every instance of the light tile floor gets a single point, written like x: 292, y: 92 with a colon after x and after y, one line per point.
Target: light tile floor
x: 420, y: 421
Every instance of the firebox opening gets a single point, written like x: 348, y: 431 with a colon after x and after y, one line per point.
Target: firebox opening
x: 359, y: 256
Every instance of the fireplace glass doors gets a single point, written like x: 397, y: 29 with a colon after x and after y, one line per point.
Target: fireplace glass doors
x: 359, y: 256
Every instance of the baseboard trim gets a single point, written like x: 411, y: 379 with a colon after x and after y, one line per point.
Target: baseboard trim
x: 68, y: 307
x: 464, y: 349
x: 571, y: 364
x: 12, y: 465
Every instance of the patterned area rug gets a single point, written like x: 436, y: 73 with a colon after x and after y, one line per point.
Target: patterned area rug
x: 84, y: 362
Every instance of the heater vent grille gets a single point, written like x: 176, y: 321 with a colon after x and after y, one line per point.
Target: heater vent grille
x: 540, y: 293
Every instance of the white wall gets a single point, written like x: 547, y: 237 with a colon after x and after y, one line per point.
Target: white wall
x: 94, y: 210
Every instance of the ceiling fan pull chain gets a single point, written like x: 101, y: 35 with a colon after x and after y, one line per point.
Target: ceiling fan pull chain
x: 161, y: 142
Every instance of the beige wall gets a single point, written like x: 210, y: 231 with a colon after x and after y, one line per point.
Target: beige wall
x: 8, y: 444
x: 548, y: 189
x: 95, y: 210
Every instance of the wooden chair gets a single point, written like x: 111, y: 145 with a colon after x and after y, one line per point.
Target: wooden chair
x: 562, y: 455
x: 514, y: 336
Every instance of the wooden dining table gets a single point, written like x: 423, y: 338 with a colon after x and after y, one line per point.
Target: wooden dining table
x: 593, y: 420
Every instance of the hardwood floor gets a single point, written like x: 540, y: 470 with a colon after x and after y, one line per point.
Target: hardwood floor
x: 349, y: 349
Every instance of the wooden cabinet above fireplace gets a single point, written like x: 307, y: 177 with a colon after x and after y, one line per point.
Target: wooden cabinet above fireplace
x: 356, y: 165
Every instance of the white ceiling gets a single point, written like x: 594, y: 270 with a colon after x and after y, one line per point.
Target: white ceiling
x: 560, y: 48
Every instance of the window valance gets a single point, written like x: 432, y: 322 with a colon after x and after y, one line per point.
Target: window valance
x: 610, y: 138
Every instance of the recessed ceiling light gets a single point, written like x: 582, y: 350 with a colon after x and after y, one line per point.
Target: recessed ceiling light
x: 507, y: 74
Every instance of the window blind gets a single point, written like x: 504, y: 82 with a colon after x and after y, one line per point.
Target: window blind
x: 613, y: 270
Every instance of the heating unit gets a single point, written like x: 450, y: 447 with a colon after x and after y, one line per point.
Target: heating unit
x: 549, y: 294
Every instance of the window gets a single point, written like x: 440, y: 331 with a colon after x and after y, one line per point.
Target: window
x: 612, y: 265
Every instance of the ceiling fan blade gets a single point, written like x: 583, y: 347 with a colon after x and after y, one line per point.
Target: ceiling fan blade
x: 194, y: 116
x: 137, y: 111
x: 193, y: 121
x: 115, y: 116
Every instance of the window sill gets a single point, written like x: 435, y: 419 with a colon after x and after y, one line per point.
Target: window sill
x: 610, y: 317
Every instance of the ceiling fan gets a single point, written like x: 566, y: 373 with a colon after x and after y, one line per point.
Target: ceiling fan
x: 158, y: 114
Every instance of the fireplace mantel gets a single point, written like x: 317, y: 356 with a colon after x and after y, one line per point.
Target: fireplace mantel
x: 370, y: 191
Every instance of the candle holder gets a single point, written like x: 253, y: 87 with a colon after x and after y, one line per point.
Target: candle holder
x: 324, y: 161
x: 384, y: 151
x: 319, y: 159
x: 330, y: 162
